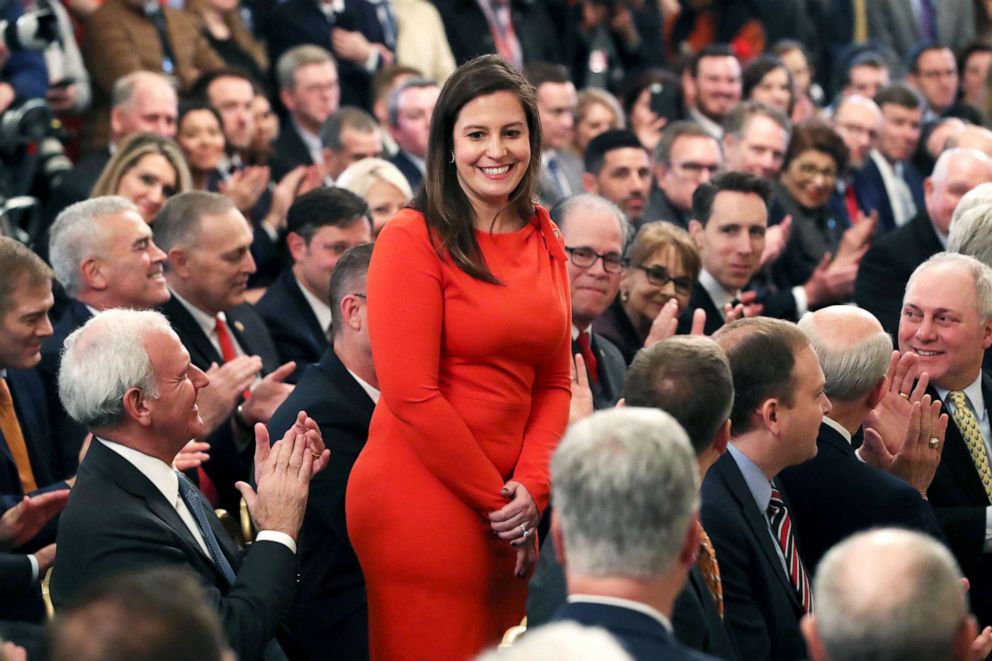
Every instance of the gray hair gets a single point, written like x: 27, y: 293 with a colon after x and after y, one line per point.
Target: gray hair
x: 295, y: 58
x: 888, y: 595
x: 851, y: 371
x: 561, y: 211
x: 347, y: 117
x: 127, y: 86
x: 393, y: 104
x: 178, y: 222
x: 76, y: 236
x: 741, y: 115
x: 979, y: 271
x: 562, y: 641
x: 626, y: 486
x: 105, y: 358
x: 971, y: 232
x: 979, y: 196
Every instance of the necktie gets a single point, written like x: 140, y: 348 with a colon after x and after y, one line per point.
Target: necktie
x: 781, y: 523
x: 860, y: 30
x: 190, y: 496
x: 851, y: 201
x: 585, y: 347
x: 967, y: 423
x: 226, y: 342
x: 706, y: 561
x: 928, y: 20
x: 12, y: 433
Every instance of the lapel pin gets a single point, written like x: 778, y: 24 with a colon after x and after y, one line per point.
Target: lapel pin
x: 240, y: 326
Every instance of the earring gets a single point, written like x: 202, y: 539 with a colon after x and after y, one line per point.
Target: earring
x: 452, y: 156
x: 624, y: 296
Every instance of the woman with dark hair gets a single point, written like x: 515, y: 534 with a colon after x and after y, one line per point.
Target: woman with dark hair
x: 468, y: 316
x: 767, y: 80
x: 635, y: 99
x: 200, y: 134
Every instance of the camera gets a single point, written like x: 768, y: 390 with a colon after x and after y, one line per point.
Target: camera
x: 33, y: 30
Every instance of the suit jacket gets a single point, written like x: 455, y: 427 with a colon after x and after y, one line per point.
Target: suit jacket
x: 117, y: 520
x: 761, y: 607
x: 861, y: 497
x: 297, y: 22
x: 330, y: 611
x: 288, y: 152
x: 700, y: 298
x: 894, y: 23
x: 959, y: 500
x: 661, y: 208
x: 409, y: 169
x: 872, y: 195
x: 21, y: 592
x: 642, y: 636
x: 469, y: 35
x: 230, y: 454
x: 421, y: 42
x: 696, y: 619
x: 571, y: 169
x: 292, y: 323
x: 611, y: 370
x: 615, y: 326
x: 886, y: 267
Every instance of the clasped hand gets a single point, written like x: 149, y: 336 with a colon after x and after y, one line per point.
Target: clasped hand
x: 516, y: 522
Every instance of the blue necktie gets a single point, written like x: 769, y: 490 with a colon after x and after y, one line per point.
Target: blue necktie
x: 190, y: 496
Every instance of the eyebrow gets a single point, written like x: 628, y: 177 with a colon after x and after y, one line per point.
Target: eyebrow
x: 505, y: 126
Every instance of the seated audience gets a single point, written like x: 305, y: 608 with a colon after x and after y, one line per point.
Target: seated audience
x: 409, y: 112
x: 348, y: 136
x: 685, y: 157
x: 767, y: 80
x: 126, y: 376
x: 146, y: 169
x: 330, y: 610
x: 618, y: 168
x: 659, y: 273
x: 381, y: 185
x: 712, y: 85
x: 625, y: 488
x: 200, y: 135
x: 596, y: 111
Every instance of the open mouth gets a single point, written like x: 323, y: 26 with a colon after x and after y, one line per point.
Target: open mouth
x: 923, y: 353
x: 496, y: 172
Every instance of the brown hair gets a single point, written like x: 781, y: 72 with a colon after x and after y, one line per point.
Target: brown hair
x: 20, y: 268
x: 445, y: 205
x: 131, y: 150
x: 654, y: 236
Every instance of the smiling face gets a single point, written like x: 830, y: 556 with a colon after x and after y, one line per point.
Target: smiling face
x: 593, y: 289
x: 597, y: 119
x: 718, y: 86
x: 24, y: 325
x: 940, y: 322
x: 149, y: 183
x: 174, y: 412
x: 202, y: 140
x: 131, y: 265
x: 731, y: 242
x: 384, y: 201
x: 625, y: 180
x: 774, y: 90
x: 645, y: 298
x: 900, y: 131
x: 811, y: 178
x: 491, y: 150
x: 760, y: 149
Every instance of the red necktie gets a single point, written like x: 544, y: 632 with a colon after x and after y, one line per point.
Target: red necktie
x: 227, y: 349
x: 585, y: 347
x: 781, y: 523
x: 851, y: 198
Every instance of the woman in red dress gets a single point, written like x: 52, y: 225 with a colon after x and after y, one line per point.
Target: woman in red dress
x: 469, y: 324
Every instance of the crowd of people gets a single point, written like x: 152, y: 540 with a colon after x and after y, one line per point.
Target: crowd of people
x: 386, y: 329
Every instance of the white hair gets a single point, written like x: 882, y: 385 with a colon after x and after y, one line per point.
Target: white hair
x: 361, y: 175
x: 76, y: 235
x: 888, y: 595
x: 562, y: 641
x: 851, y: 372
x: 591, y: 201
x: 626, y: 485
x: 971, y: 224
x: 105, y: 358
x: 979, y: 271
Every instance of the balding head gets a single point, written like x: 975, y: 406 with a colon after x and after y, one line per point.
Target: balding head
x: 143, y: 101
x: 889, y: 594
x: 971, y: 136
x: 853, y: 349
x: 957, y: 172
x: 858, y: 120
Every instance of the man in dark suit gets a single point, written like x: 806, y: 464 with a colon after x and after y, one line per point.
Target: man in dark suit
x: 685, y: 157
x: 561, y: 169
x: 778, y: 406
x: 207, y: 242
x: 947, y: 322
x: 410, y: 108
x: 855, y: 352
x: 310, y: 91
x: 322, y: 225
x: 330, y: 611
x: 888, y: 183
x: 627, y: 546
x: 131, y: 510
x: 886, y: 267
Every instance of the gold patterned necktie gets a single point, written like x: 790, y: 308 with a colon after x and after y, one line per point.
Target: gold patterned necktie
x: 967, y: 423
x: 14, y: 437
x: 860, y: 28
x: 706, y: 561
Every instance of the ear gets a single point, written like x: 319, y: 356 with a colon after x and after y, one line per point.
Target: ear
x: 696, y: 232
x: 722, y: 438
x: 348, y: 311
x: 660, y: 170
x: 136, y: 406
x: 813, y: 643
x: 115, y: 121
x: 178, y: 263
x: 770, y: 412
x: 589, y: 183
x: 558, y: 538
x: 621, y: 403
x: 297, y: 246
x: 287, y: 99
x: 987, y: 333
x: 92, y: 275
x: 729, y: 143
x: 688, y: 83
x: 878, y: 393
x: 690, y: 545
x: 927, y: 187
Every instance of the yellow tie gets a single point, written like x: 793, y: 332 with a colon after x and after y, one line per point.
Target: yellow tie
x: 968, y: 424
x: 860, y: 9
x: 15, y: 438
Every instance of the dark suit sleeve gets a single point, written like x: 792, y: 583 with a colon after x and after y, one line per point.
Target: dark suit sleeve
x: 876, y: 290
x: 16, y: 578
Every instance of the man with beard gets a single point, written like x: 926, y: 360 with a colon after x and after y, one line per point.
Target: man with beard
x: 619, y: 169
x: 713, y: 83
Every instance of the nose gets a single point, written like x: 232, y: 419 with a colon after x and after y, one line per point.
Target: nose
x: 496, y: 148
x: 248, y: 264
x: 156, y: 253
x: 199, y: 377
x: 45, y: 327
x: 705, y: 175
x: 926, y: 330
x: 156, y: 194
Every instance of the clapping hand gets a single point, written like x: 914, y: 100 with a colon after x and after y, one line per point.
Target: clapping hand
x: 23, y: 521
x: 916, y: 461
x: 891, y: 416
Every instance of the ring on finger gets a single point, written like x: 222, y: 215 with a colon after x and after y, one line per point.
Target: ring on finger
x: 934, y: 442
x: 904, y: 395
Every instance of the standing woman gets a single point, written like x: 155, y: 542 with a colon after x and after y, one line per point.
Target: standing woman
x: 469, y: 324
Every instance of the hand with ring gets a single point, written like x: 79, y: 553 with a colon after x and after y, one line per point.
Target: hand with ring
x: 905, y: 384
x: 515, y: 521
x: 917, y: 459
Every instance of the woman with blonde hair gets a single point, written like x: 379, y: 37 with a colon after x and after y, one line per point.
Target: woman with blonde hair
x: 147, y: 169
x: 381, y: 185
x: 596, y: 111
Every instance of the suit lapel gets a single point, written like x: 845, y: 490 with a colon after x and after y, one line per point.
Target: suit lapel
x: 299, y: 300
x: 201, y: 349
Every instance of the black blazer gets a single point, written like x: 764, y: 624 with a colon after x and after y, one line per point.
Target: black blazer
x: 230, y: 453
x: 614, y: 325
x: 117, y: 520
x: 886, y: 267
x: 700, y: 298
x: 761, y: 607
x: 409, y: 169
x: 959, y: 501
x: 860, y: 497
x: 870, y: 188
x: 660, y: 208
x: 642, y: 636
x: 330, y: 610
x: 292, y: 323
x: 697, y: 621
x: 611, y: 372
x: 288, y: 152
x: 21, y: 591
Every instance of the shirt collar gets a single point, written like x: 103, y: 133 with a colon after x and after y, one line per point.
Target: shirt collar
x: 162, y: 475
x: 837, y: 427
x: 371, y: 390
x: 321, y: 309
x: 203, y: 320
x: 311, y: 141
x: 619, y: 602
x: 716, y: 291
x: 416, y: 160
x: 974, y: 394
x: 708, y: 124
x: 757, y: 483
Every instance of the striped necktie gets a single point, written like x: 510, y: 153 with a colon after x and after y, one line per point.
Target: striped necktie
x: 967, y: 423
x: 781, y: 524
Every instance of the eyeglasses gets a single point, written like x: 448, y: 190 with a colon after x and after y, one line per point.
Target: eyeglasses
x: 809, y: 171
x: 694, y: 168
x: 585, y: 258
x: 659, y: 276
